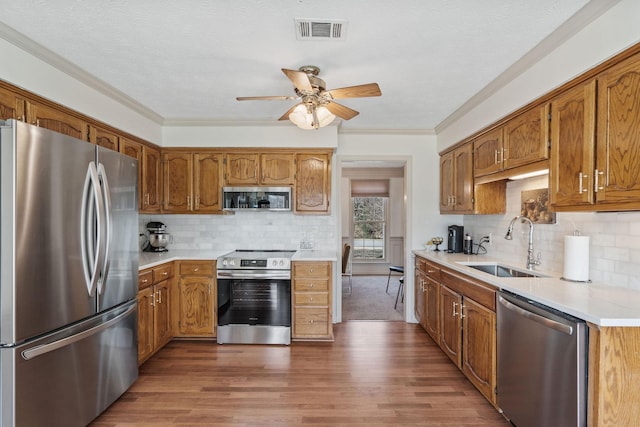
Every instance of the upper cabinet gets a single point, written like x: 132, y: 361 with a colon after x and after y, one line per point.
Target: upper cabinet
x: 12, y: 105
x: 277, y: 169
x: 56, y: 120
x: 456, y: 180
x: 313, y: 183
x: 520, y: 141
x: 603, y: 173
x: 617, y: 174
x: 104, y: 138
x: 259, y: 168
x: 192, y: 182
x: 573, y: 137
x: 151, y: 180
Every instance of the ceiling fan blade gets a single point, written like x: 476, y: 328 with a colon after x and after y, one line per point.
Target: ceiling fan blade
x: 285, y: 116
x: 341, y: 111
x: 360, y: 91
x: 264, y: 98
x: 299, y: 79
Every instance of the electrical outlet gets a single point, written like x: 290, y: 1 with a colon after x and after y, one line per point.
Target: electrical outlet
x: 490, y: 239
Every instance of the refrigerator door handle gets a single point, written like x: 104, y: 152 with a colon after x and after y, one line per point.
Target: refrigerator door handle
x: 47, y: 348
x: 106, y: 196
x: 92, y: 229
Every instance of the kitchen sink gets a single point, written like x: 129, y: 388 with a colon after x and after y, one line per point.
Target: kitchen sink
x: 500, y: 270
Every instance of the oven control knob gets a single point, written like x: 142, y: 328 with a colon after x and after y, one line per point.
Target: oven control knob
x: 281, y: 263
x: 274, y: 262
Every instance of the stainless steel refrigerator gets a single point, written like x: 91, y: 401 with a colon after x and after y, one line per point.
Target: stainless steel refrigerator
x: 68, y: 271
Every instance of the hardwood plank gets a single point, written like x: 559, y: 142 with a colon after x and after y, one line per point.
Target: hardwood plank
x: 374, y: 374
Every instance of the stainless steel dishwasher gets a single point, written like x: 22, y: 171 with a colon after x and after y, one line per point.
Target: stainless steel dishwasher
x: 542, y: 364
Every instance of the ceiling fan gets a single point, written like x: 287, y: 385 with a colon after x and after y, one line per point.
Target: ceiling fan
x: 317, y: 107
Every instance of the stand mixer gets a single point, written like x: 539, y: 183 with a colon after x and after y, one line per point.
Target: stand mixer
x: 157, y: 237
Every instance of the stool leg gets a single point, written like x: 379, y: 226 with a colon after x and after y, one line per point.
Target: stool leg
x: 388, y: 278
x: 400, y: 289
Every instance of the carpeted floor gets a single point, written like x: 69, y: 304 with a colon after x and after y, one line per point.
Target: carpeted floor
x: 368, y: 300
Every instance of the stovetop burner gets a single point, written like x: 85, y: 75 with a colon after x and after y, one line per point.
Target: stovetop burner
x: 267, y: 259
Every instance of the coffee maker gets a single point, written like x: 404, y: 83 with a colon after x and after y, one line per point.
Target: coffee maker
x: 454, y: 239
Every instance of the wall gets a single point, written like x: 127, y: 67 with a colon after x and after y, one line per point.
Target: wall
x: 247, y: 230
x: 614, y: 256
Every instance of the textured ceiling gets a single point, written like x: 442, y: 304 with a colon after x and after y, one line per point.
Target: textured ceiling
x: 188, y: 60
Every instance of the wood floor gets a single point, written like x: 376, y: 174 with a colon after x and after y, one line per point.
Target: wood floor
x: 374, y: 374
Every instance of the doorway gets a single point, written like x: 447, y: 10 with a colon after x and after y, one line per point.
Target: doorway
x: 373, y: 220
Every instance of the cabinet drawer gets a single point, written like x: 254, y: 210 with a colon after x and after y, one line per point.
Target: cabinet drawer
x: 311, y: 285
x: 311, y: 322
x: 162, y: 272
x: 145, y: 279
x: 311, y: 269
x: 311, y: 298
x: 196, y: 268
x: 432, y: 270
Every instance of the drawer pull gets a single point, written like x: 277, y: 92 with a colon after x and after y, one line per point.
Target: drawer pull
x: 165, y: 273
x: 145, y: 280
x: 196, y: 269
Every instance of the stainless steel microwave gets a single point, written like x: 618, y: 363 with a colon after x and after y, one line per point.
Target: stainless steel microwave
x: 256, y: 198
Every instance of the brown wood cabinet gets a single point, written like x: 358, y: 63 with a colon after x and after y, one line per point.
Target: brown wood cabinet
x: 617, y: 175
x: 451, y: 324
x: 313, y: 183
x: 572, y: 160
x: 273, y: 168
x: 151, y: 180
x: 311, y: 301
x: 460, y: 315
x: 196, y: 303
x: 427, y: 297
x: 104, y: 138
x: 597, y: 126
x: 57, y: 120
x: 479, y: 347
x: 192, y: 182
x: 521, y: 141
x: 12, y: 105
x: 277, y: 169
x: 154, y: 310
x: 456, y: 180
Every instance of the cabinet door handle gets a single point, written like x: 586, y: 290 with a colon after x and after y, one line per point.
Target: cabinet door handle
x: 596, y: 175
x: 189, y: 202
x: 454, y: 314
x: 159, y: 297
x: 581, y: 188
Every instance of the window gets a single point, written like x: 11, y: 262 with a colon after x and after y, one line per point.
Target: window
x: 369, y: 224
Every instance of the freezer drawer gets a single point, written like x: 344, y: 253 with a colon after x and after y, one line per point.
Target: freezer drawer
x: 68, y: 378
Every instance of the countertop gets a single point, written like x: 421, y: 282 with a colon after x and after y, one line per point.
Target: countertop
x: 601, y: 304
x: 152, y: 259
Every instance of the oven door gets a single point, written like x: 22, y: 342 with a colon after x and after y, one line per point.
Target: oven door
x: 254, y: 301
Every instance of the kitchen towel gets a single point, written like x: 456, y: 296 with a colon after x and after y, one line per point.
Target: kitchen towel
x: 576, y: 258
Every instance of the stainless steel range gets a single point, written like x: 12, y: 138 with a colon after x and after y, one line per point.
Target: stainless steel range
x: 254, y: 297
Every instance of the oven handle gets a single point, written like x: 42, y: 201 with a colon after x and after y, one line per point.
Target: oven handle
x: 253, y: 274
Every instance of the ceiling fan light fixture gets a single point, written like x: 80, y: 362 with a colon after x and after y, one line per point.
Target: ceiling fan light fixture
x: 303, y: 116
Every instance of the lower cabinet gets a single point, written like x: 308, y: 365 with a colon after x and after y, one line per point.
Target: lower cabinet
x: 154, y: 310
x: 311, y: 300
x: 451, y: 324
x: 460, y: 315
x: 196, y: 299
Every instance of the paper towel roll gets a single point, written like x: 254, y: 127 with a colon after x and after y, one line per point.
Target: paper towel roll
x: 576, y: 258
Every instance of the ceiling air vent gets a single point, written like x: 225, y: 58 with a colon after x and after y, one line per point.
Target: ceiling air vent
x: 321, y: 29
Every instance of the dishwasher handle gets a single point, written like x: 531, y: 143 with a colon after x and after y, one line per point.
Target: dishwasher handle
x: 560, y: 327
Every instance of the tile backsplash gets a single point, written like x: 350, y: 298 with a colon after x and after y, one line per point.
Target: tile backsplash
x: 247, y: 230
x: 614, y: 253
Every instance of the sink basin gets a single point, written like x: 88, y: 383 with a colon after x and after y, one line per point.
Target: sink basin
x: 500, y: 270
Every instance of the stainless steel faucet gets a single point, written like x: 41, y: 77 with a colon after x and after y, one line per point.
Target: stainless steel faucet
x: 531, y: 259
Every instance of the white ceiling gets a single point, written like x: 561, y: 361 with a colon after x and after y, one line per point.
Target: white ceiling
x: 187, y: 60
